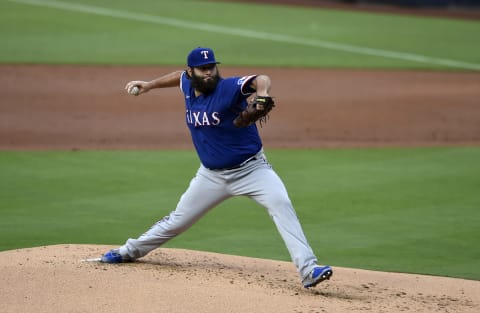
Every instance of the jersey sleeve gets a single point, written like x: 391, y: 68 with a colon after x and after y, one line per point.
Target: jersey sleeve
x: 182, y: 78
x: 245, y: 84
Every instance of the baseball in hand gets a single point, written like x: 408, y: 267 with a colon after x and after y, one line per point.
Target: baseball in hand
x: 135, y: 90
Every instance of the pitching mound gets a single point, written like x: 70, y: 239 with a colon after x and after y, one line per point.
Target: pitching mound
x: 54, y: 279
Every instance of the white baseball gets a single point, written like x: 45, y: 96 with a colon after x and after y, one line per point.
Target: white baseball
x: 135, y: 90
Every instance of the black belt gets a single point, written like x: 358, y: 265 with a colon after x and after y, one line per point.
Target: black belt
x: 252, y: 158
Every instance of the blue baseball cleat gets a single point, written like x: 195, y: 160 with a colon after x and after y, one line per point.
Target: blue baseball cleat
x: 114, y: 256
x: 317, y: 275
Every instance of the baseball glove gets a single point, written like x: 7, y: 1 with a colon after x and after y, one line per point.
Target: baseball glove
x: 257, y: 109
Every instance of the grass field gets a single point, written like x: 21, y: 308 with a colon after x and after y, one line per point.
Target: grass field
x: 160, y: 32
x: 408, y: 210
x: 413, y: 210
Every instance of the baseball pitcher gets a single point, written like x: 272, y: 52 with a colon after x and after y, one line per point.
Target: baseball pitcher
x: 222, y: 122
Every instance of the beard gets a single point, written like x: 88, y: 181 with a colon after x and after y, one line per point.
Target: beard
x: 205, y: 87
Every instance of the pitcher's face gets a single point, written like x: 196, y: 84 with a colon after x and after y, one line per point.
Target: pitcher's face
x: 205, y: 78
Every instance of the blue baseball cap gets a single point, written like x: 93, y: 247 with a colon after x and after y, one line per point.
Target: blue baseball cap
x: 201, y: 56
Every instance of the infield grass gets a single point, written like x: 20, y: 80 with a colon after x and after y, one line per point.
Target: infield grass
x: 162, y: 32
x: 406, y: 210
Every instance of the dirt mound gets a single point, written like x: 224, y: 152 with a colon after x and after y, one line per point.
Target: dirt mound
x: 54, y: 279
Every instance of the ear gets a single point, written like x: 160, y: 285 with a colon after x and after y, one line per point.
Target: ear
x: 189, y: 71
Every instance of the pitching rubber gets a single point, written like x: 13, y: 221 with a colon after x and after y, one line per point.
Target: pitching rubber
x: 91, y: 260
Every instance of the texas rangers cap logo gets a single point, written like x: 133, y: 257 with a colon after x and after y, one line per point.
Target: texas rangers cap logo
x: 201, y: 56
x: 205, y: 54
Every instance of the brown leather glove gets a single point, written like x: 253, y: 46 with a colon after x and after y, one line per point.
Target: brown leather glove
x: 257, y: 109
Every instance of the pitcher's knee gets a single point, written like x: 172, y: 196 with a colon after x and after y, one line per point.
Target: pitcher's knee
x: 279, y: 204
x: 173, y: 224
x: 282, y: 201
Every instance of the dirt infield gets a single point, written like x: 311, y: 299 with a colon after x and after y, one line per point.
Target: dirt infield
x: 85, y: 107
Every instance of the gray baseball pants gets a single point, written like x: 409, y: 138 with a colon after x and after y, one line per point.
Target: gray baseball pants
x: 255, y: 179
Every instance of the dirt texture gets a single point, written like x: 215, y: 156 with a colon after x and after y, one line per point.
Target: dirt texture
x: 54, y: 279
x: 86, y: 107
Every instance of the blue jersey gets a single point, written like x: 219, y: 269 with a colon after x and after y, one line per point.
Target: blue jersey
x: 219, y: 144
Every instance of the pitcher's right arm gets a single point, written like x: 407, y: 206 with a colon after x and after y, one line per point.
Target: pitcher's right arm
x: 165, y: 81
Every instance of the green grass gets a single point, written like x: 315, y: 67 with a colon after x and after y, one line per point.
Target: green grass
x: 406, y: 210
x: 41, y: 34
